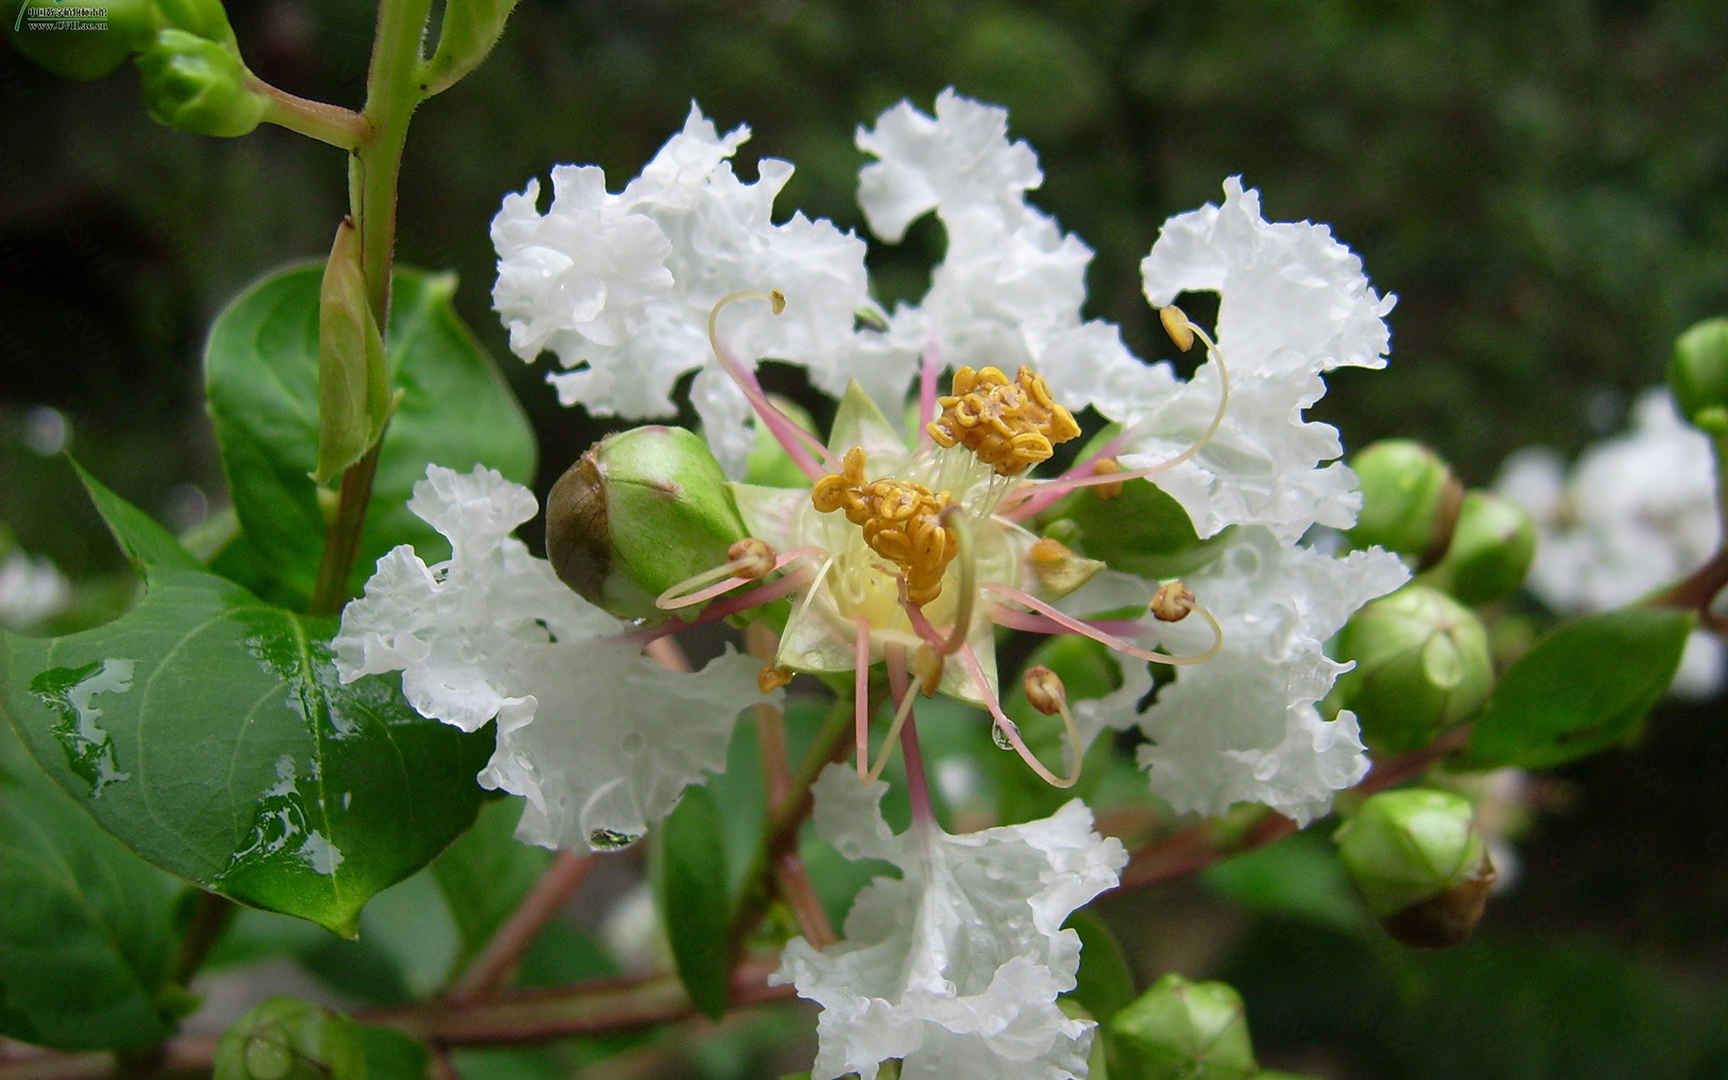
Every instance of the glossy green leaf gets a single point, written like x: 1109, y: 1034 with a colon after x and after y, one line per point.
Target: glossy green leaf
x: 1299, y: 877
x: 1105, y: 983
x: 1583, y: 688
x: 392, y: 1055
x: 484, y: 875
x: 261, y: 375
x: 208, y: 731
x: 88, y: 934
x: 689, y: 877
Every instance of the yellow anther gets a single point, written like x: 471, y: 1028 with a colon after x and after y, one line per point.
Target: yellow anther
x: 752, y: 557
x: 901, y: 522
x: 772, y: 678
x: 1048, y: 552
x: 1176, y: 324
x: 927, y: 665
x: 1044, y: 690
x: 1172, y: 602
x: 1106, y: 467
x: 1011, y: 426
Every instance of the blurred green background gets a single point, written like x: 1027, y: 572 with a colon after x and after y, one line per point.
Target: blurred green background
x: 1545, y: 186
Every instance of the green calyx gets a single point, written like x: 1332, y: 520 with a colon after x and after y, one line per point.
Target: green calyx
x: 1492, y: 546
x: 638, y: 513
x: 1422, y: 666
x: 197, y: 85
x: 1142, y: 530
x: 1698, y: 375
x: 1181, y: 1030
x: 1408, y: 497
x: 1419, y: 860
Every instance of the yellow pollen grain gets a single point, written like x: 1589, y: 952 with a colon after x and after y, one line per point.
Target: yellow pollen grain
x: 901, y: 521
x: 772, y: 678
x: 1011, y: 426
x: 1107, y: 467
x: 927, y: 665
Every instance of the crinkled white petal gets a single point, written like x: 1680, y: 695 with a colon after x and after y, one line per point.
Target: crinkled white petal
x: 620, y: 286
x: 954, y: 968
x: 959, y: 160
x: 1293, y: 303
x: 1242, y: 727
x: 599, y: 739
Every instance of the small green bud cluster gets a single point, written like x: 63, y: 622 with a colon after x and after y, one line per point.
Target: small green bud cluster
x: 1422, y: 666
x: 638, y: 513
x: 1419, y: 859
x: 285, y: 1039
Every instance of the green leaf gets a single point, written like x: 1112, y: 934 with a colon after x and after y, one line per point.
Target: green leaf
x: 261, y: 374
x: 1583, y: 688
x: 485, y: 874
x: 689, y: 878
x: 88, y: 934
x: 1105, y: 983
x: 209, y: 732
x: 469, y: 31
x: 1299, y: 877
x: 392, y: 1055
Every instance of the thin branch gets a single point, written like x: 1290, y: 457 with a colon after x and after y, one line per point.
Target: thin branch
x: 210, y: 917
x: 342, y: 128
x: 493, y: 967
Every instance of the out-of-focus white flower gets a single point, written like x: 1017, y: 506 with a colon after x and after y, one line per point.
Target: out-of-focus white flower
x: 599, y: 738
x: 620, y: 286
x: 1292, y: 303
x: 954, y: 968
x: 1243, y: 727
x: 31, y: 589
x: 1637, y: 512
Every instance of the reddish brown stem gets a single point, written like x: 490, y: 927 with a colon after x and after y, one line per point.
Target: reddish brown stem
x: 495, y: 964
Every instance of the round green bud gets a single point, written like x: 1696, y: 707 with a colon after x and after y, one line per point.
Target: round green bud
x: 1408, y: 497
x: 44, y: 32
x: 638, y: 513
x: 1491, y: 549
x: 769, y: 464
x: 1180, y: 1030
x: 204, y: 18
x: 1698, y: 374
x: 1137, y: 527
x: 285, y: 1039
x: 1418, y: 858
x: 1422, y: 665
x: 199, y: 86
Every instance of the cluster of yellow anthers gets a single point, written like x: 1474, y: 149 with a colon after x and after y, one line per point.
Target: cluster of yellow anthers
x: 1011, y: 426
x: 902, y: 522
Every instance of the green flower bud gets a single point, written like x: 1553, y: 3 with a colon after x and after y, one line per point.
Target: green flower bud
x: 93, y: 50
x: 1138, y: 528
x: 197, y: 85
x: 1698, y: 375
x: 285, y: 1039
x: 1179, y: 1030
x: 1409, y: 496
x: 1422, y: 665
x: 203, y: 18
x: 769, y: 464
x: 1490, y: 552
x: 638, y: 513
x: 1419, y: 860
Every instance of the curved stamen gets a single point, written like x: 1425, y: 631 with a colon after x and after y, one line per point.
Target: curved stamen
x: 753, y: 562
x: 720, y: 609
x: 1038, y: 624
x: 1077, y: 626
x: 1010, y: 730
x: 792, y: 438
x: 904, y: 697
x: 861, y: 695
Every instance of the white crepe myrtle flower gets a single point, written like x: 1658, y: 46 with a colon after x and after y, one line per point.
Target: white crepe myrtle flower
x: 31, y: 589
x: 620, y: 286
x: 598, y: 738
x: 1637, y: 511
x: 954, y: 968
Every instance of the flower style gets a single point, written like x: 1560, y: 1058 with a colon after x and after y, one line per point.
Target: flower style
x: 1637, y: 512
x: 955, y: 967
x: 598, y: 738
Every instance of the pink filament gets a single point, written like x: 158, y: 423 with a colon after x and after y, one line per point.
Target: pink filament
x: 1046, y: 492
x: 1041, y: 624
x: 861, y: 696
x: 744, y: 601
x: 1068, y: 622
x: 917, y: 788
x: 1009, y: 729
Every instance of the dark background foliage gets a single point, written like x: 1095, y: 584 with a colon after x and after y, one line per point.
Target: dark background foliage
x: 1544, y: 185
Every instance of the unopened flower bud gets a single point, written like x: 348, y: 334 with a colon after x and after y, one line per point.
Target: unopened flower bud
x: 285, y: 1039
x: 1419, y: 859
x: 1698, y: 375
x: 197, y: 85
x: 640, y: 512
x: 1422, y: 665
x: 1491, y: 549
x: 36, y: 33
x: 1142, y: 530
x: 204, y: 18
x: 1180, y: 1030
x: 1409, y: 496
